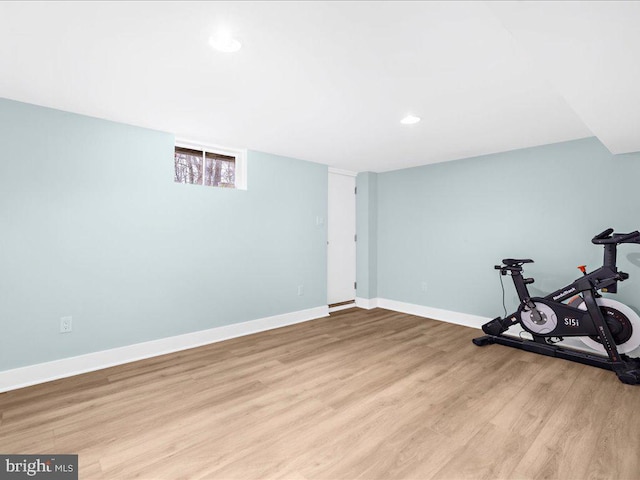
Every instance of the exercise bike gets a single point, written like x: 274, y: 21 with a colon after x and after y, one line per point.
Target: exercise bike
x: 606, y: 326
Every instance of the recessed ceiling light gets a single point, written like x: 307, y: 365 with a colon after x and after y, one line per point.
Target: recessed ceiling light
x: 410, y: 120
x: 224, y: 42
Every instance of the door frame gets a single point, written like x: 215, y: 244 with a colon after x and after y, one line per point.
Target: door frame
x: 350, y: 303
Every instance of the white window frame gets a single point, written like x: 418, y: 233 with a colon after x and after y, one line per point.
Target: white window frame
x: 239, y: 154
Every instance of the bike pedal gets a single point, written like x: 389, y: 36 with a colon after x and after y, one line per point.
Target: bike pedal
x: 494, y: 327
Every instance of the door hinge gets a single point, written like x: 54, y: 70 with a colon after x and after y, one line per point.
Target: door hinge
x: 355, y: 237
x: 355, y: 190
x: 355, y: 285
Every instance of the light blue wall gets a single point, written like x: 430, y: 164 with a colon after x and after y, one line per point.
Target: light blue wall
x: 93, y: 226
x: 446, y: 225
x: 367, y: 231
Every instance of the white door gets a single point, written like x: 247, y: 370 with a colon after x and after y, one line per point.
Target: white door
x: 341, y: 231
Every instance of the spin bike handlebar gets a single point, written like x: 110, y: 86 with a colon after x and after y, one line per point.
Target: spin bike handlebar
x: 605, y: 237
x: 602, y: 237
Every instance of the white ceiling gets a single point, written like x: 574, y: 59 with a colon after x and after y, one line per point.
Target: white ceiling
x: 329, y: 81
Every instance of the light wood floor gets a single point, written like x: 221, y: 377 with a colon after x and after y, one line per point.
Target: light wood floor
x: 362, y: 394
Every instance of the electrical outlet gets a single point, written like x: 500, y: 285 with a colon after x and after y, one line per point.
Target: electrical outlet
x: 300, y: 290
x: 66, y: 324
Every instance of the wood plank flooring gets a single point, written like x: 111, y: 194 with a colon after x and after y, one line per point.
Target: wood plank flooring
x: 359, y: 395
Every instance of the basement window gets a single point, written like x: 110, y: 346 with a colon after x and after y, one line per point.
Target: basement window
x: 209, y: 166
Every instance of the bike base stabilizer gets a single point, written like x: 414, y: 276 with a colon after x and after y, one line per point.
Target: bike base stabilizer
x: 627, y: 370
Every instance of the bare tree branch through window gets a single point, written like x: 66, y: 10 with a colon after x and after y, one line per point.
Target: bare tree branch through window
x: 204, y: 168
x: 219, y: 170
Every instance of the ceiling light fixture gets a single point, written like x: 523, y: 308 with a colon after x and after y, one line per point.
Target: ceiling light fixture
x: 410, y: 120
x: 224, y: 42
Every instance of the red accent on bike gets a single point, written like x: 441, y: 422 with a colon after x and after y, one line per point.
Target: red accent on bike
x: 582, y: 268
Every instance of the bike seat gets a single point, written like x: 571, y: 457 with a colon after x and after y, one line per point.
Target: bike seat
x: 512, y: 262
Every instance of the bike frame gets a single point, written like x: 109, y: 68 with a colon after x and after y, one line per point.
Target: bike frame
x: 579, y: 322
x: 571, y: 321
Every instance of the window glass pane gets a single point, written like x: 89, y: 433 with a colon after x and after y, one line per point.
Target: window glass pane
x: 188, y: 166
x: 220, y: 170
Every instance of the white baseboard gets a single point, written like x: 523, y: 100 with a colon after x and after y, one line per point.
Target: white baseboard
x: 468, y: 320
x: 465, y: 319
x: 67, y: 367
x: 366, y: 303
